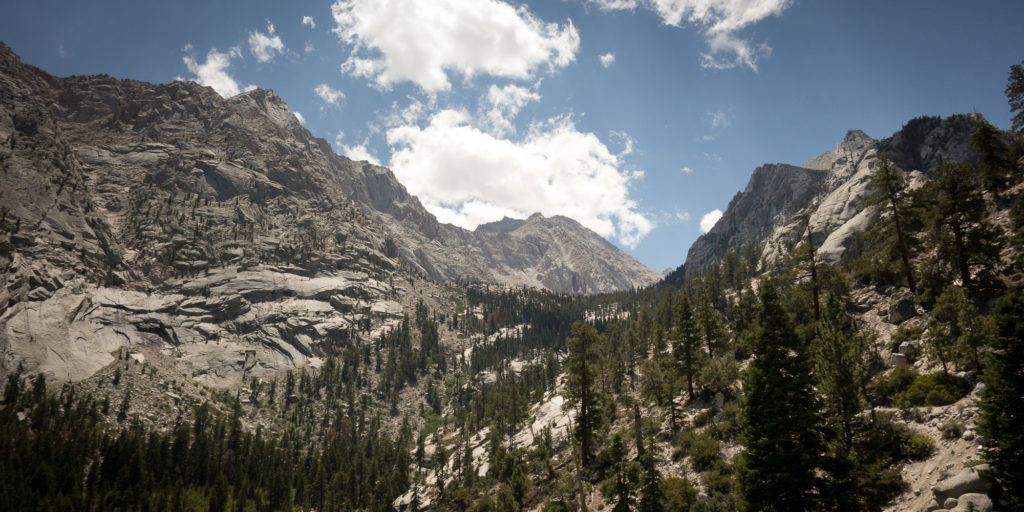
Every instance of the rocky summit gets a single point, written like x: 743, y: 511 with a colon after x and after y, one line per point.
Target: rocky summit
x: 165, y: 215
x: 830, y: 188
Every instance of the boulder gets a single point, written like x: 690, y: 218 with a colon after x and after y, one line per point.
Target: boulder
x: 896, y: 360
x: 932, y: 506
x: 970, y: 480
x: 901, y: 311
x: 949, y: 503
x: 909, y: 348
x: 976, y: 502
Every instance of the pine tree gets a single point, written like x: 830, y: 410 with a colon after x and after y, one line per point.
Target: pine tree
x: 993, y: 162
x: 710, y: 323
x: 840, y: 368
x: 1001, y: 422
x: 581, y: 393
x: 652, y: 498
x: 686, y: 343
x: 956, y: 218
x: 622, y: 492
x: 1015, y: 95
x: 781, y: 418
x: 890, y: 189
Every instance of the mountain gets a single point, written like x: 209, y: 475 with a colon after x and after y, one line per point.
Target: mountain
x: 165, y: 215
x: 831, y: 188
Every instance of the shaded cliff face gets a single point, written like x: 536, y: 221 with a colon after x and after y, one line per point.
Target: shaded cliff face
x: 223, y: 232
x: 832, y: 188
x: 775, y: 193
x: 185, y: 139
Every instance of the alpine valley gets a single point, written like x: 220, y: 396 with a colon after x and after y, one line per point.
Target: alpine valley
x: 203, y: 307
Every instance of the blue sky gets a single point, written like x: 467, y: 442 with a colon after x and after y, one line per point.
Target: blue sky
x: 636, y: 117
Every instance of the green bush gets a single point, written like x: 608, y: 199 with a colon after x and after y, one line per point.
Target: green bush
x: 919, y: 447
x: 905, y: 333
x: 679, y: 493
x: 704, y: 452
x: 703, y: 418
x: 952, y: 429
x: 937, y: 388
x: 882, y: 389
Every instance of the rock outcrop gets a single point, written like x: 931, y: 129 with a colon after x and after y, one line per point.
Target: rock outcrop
x: 832, y: 188
x: 220, y: 229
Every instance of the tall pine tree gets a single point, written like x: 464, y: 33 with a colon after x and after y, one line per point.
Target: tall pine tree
x: 581, y: 389
x: 781, y: 418
x: 1002, y: 404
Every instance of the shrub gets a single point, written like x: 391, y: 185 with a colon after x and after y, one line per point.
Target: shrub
x: 703, y: 418
x: 937, y: 388
x: 728, y: 424
x: 905, y: 333
x: 919, y: 447
x: 704, y: 452
x: 952, y: 429
x: 679, y: 493
x: 881, y: 390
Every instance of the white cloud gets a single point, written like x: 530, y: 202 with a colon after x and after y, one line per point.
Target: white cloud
x: 720, y: 20
x: 719, y: 120
x: 607, y: 59
x: 302, y: 120
x: 265, y: 46
x: 329, y: 94
x: 687, y: 170
x: 214, y: 72
x: 505, y: 103
x: 709, y: 219
x: 616, y: 5
x: 309, y: 47
x: 421, y: 42
x: 308, y: 20
x: 467, y: 176
x: 358, y: 152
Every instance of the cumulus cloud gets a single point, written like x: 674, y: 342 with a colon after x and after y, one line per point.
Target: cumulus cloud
x: 357, y: 152
x: 467, y: 176
x: 308, y: 20
x: 720, y: 20
x: 214, y: 72
x: 504, y: 104
x: 422, y: 42
x: 329, y: 94
x: 687, y: 170
x: 265, y: 46
x: 709, y: 220
x: 607, y: 60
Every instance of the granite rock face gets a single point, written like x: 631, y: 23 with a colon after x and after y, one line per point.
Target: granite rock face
x: 832, y: 188
x: 222, y: 230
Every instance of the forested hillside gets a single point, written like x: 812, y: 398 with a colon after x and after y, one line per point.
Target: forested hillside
x: 795, y: 382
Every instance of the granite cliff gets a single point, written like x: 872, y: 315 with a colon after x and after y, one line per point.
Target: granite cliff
x: 222, y: 231
x: 832, y: 188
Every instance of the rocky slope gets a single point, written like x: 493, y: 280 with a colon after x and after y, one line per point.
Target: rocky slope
x: 164, y: 215
x: 831, y: 187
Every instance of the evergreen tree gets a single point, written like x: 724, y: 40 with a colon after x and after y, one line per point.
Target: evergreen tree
x: 781, y: 418
x: 890, y: 189
x: 1015, y: 95
x: 652, y: 497
x: 993, y: 151
x: 956, y: 219
x: 686, y: 343
x: 580, y: 389
x: 622, y: 492
x: 710, y: 322
x: 840, y: 369
x: 1001, y: 422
